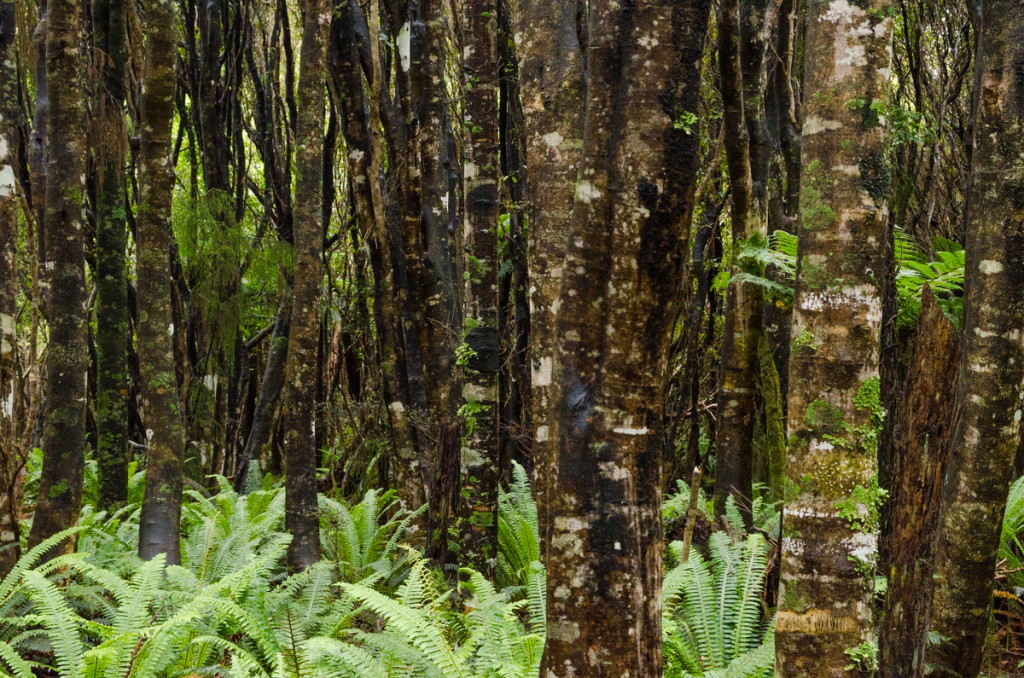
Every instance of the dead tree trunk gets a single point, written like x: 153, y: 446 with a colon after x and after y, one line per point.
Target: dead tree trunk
x: 992, y: 363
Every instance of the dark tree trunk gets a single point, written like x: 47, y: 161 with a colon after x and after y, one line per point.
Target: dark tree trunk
x: 737, y: 408
x: 553, y: 89
x: 112, y: 328
x: 67, y: 357
x: 600, y: 510
x: 921, y: 442
x: 11, y: 462
x: 300, y: 454
x: 264, y: 415
x: 992, y: 364
x: 165, y: 437
x: 480, y: 462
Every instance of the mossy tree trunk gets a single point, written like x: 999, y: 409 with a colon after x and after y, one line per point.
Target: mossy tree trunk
x: 600, y: 510
x: 741, y: 96
x: 67, y: 356
x: 834, y: 414
x: 11, y: 458
x: 300, y: 453
x: 113, y: 333
x: 165, y: 436
x: 480, y: 463
x: 992, y: 363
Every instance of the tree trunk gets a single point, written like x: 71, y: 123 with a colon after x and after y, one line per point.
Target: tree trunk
x: 266, y: 409
x: 600, y: 516
x: 552, y: 89
x: 737, y: 408
x: 112, y: 330
x: 834, y: 413
x: 67, y: 357
x: 300, y: 454
x: 11, y: 463
x: 165, y: 437
x: 921, y: 441
x: 992, y: 363
x: 480, y: 464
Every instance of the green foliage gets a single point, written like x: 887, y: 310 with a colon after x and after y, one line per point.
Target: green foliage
x: 943, y: 272
x: 713, y: 621
x: 864, y: 657
x: 861, y: 508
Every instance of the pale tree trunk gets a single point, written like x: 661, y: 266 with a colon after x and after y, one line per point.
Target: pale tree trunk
x: 992, y: 364
x: 300, y: 454
x: 165, y: 436
x: 834, y: 412
x: 11, y: 461
x: 112, y: 330
x: 600, y: 516
x: 67, y: 356
x: 552, y: 88
x: 480, y: 464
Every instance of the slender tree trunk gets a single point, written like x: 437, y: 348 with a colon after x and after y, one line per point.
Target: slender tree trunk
x: 601, y: 514
x: 264, y: 416
x: 165, y: 436
x: 67, y: 357
x: 922, y: 439
x: 834, y: 412
x: 737, y: 409
x: 300, y: 454
x: 992, y: 364
x: 112, y: 329
x: 11, y: 477
x: 480, y: 464
x: 553, y: 90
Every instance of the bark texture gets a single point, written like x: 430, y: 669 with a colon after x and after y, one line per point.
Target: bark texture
x: 300, y: 454
x: 552, y: 88
x: 11, y: 458
x: 992, y: 364
x: 921, y: 442
x: 67, y: 357
x: 165, y: 436
x: 480, y: 463
x: 112, y: 329
x: 834, y: 413
x: 600, y: 516
x: 737, y: 407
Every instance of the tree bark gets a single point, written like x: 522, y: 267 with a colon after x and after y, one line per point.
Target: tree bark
x: 922, y: 439
x: 552, y: 89
x: 112, y: 329
x: 600, y: 516
x: 480, y: 463
x: 67, y: 357
x: 11, y: 461
x: 992, y: 363
x: 834, y: 413
x: 165, y: 436
x: 300, y: 454
x: 737, y: 407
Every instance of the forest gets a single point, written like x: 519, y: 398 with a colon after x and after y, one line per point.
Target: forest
x: 511, y: 338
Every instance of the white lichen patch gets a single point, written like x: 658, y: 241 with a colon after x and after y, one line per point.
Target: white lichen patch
x: 542, y: 372
x: 586, y: 192
x: 990, y: 267
x: 816, y: 125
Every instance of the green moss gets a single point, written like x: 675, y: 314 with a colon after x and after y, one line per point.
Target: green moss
x: 58, y: 489
x: 823, y: 414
